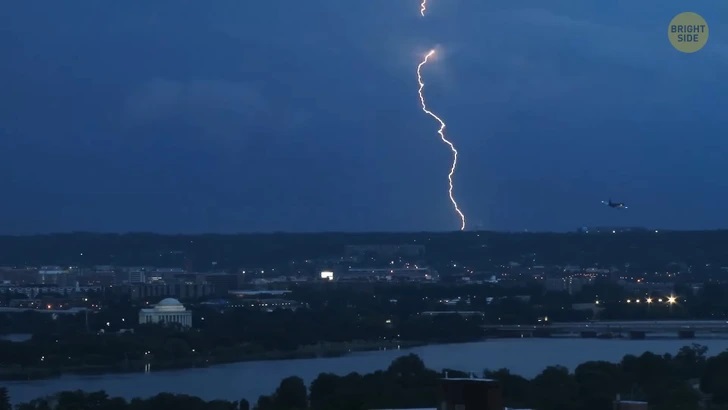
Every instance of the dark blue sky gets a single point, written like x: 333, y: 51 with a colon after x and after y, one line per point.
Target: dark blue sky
x: 232, y: 116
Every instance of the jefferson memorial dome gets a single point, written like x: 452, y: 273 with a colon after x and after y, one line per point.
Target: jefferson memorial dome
x: 167, y: 311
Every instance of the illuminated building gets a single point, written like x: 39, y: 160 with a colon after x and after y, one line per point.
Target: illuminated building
x: 167, y: 311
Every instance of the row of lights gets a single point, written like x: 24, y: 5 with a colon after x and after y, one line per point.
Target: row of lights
x: 670, y: 300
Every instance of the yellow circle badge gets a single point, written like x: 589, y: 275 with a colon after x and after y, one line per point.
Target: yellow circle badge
x: 688, y: 32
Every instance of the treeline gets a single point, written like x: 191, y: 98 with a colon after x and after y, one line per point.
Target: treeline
x: 643, y: 250
x: 221, y: 337
x: 80, y: 400
x: 688, y: 380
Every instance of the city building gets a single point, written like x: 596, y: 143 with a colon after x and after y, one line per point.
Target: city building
x: 452, y: 312
x: 33, y: 291
x: 137, y: 276
x: 52, y: 275
x: 97, y: 278
x: 19, y: 276
x: 388, y: 274
x: 571, y: 284
x: 664, y: 288
x: 178, y: 290
x: 257, y: 293
x: 267, y: 305
x: 408, y: 250
x: 224, y: 282
x: 167, y: 311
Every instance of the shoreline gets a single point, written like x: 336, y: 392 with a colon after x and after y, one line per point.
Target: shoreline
x: 525, y: 357
x: 322, y: 350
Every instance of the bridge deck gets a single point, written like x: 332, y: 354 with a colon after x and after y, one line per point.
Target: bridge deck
x: 660, y: 325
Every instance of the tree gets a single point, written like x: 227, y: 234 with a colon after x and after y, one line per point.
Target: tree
x: 598, y: 383
x: 37, y: 404
x: 5, y: 399
x: 265, y: 403
x: 516, y: 389
x: 683, y: 397
x: 221, y: 405
x: 662, y: 380
x: 410, y: 365
x: 323, y: 388
x: 714, y: 380
x: 690, y: 360
x: 291, y: 394
x: 555, y: 389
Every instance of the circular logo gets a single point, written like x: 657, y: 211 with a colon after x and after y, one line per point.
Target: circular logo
x: 688, y: 32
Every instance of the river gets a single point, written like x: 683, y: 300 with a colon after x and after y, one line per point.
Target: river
x: 249, y: 380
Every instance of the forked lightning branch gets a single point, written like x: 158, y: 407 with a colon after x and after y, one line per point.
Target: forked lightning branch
x: 441, y: 131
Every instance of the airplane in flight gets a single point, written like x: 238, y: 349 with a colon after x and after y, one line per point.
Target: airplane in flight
x: 618, y: 205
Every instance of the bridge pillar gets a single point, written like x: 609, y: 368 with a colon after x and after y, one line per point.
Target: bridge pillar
x: 636, y: 334
x: 686, y: 334
x: 589, y: 334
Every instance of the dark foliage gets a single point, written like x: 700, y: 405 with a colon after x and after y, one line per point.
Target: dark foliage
x: 666, y: 382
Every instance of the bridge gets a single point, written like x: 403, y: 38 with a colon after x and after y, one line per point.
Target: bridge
x: 635, y: 329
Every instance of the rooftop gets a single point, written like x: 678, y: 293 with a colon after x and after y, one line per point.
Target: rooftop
x: 475, y: 379
x: 167, y: 305
x: 169, y: 302
x: 471, y: 376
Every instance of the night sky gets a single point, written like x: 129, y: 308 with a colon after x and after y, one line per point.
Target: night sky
x: 282, y: 115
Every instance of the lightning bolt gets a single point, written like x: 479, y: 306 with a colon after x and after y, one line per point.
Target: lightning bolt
x: 442, y: 136
x: 423, y: 7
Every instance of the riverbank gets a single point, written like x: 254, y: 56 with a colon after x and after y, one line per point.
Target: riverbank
x: 321, y: 350
x: 526, y: 357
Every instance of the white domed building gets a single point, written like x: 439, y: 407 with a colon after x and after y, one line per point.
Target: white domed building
x: 168, y: 310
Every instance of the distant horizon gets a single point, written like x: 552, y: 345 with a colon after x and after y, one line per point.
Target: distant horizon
x: 458, y: 232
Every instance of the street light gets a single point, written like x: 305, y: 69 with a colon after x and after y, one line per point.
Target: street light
x: 649, y: 300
